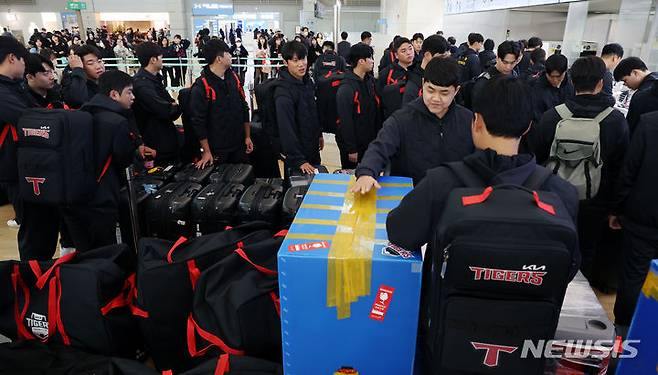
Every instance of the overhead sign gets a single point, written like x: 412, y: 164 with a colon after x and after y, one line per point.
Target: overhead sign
x: 468, y: 6
x: 212, y: 9
x: 76, y: 5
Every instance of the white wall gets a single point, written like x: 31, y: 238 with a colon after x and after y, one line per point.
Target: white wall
x: 493, y: 24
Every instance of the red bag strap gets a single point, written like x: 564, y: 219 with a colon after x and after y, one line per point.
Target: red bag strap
x: 19, y: 315
x: 167, y: 372
x: 106, y: 166
x: 281, y: 233
x: 389, y: 78
x: 481, y: 198
x: 328, y: 74
x: 261, y: 269
x: 5, y: 131
x: 357, y: 102
x: 222, y: 365
x: 126, y: 297
x: 239, y: 85
x: 193, y: 328
x: 194, y: 272
x: 277, y: 303
x: 170, y: 254
x: 57, y: 310
x: 211, y: 95
x: 36, y: 269
x: 378, y: 101
x: 41, y: 281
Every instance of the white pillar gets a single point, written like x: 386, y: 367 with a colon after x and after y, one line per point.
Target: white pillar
x: 632, y: 25
x: 575, y: 30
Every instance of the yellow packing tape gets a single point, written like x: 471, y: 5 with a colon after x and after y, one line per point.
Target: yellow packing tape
x: 650, y: 287
x: 350, y: 258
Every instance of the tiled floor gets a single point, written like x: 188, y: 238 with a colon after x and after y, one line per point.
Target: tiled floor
x: 330, y: 158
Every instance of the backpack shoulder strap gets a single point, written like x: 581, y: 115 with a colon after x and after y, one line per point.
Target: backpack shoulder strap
x: 537, y: 178
x: 601, y: 116
x: 238, y: 84
x: 564, y: 111
x: 211, y: 95
x: 465, y: 174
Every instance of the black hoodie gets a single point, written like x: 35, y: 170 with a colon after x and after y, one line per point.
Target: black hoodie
x: 391, y: 75
x: 413, y: 222
x: 15, y: 100
x: 614, y: 138
x: 114, y: 137
x: 470, y: 63
x: 545, y: 96
x: 297, y: 118
x: 414, y: 140
x: 644, y: 100
x: 76, y: 88
x: 359, y: 112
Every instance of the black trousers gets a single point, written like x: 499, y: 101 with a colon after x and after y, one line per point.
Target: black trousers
x: 90, y: 227
x: 637, y: 255
x: 592, y: 221
x: 37, y: 236
x: 238, y: 156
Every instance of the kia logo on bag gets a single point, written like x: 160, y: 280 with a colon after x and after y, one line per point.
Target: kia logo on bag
x: 35, y: 181
x: 491, y: 357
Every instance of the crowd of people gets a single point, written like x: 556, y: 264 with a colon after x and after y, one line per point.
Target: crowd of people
x: 498, y: 108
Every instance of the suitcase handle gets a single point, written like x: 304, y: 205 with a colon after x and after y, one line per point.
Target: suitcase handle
x: 470, y: 200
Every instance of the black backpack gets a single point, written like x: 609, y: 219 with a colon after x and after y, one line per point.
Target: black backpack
x: 166, y: 279
x: 191, y: 150
x: 56, y: 162
x: 500, y: 264
x: 8, y: 163
x: 267, y: 108
x: 465, y: 97
x: 326, y: 89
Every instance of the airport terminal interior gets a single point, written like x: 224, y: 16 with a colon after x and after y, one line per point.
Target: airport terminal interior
x: 328, y: 187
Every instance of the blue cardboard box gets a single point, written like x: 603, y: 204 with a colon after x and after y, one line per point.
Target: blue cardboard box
x: 348, y: 300
x: 644, y: 330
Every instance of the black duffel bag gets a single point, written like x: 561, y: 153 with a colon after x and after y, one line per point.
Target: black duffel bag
x: 81, y: 300
x: 236, y: 365
x: 166, y: 278
x: 236, y: 305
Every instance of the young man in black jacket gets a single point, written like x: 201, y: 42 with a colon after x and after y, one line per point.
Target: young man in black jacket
x: 487, y: 56
x: 344, y: 46
x: 551, y: 88
x: 496, y: 134
x: 40, y: 78
x: 94, y: 224
x: 636, y: 76
x: 218, y: 110
x: 80, y: 78
x: 433, y: 46
x: 398, y: 69
x: 509, y: 55
x: 533, y: 44
x: 296, y: 111
x: 469, y: 60
x: 429, y: 131
x: 155, y: 110
x: 589, y: 101
x: 329, y: 61
x: 637, y: 214
x: 611, y: 54
x: 358, y: 107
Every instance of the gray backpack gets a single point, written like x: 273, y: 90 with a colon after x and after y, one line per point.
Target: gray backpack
x: 576, y: 151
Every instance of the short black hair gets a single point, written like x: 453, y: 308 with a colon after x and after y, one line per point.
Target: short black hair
x: 509, y: 47
x: 418, y: 36
x: 365, y: 35
x: 292, y: 49
x: 34, y: 64
x: 214, y: 48
x: 114, y: 80
x: 146, y: 51
x: 511, y: 94
x: 358, y: 52
x: 556, y: 63
x: 475, y: 38
x: 587, y: 72
x: 452, y: 40
x: 178, y: 36
x: 399, y: 42
x: 304, y: 28
x: 343, y: 35
x: 535, y: 42
x: 47, y: 53
x: 614, y: 49
x: 443, y: 72
x: 9, y: 45
x: 538, y: 56
x: 434, y: 44
x: 627, y: 65
x: 330, y: 44
x: 88, y: 49
x: 489, y: 45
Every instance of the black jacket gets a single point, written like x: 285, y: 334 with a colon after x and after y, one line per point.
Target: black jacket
x: 482, y: 80
x: 413, y: 222
x: 328, y: 61
x: 639, y: 178
x: 414, y: 140
x: 52, y: 98
x: 220, y: 121
x: 344, y: 49
x: 156, y: 111
x: 15, y: 100
x: 358, y: 111
x: 644, y: 100
x: 614, y: 139
x: 414, y: 86
x: 470, y: 63
x: 387, y: 59
x: 608, y: 82
x: 391, y: 75
x: 76, y: 88
x: 545, y: 96
x: 487, y: 59
x: 113, y: 137
x: 524, y: 64
x: 297, y: 118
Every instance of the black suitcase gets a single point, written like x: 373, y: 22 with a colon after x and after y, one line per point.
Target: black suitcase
x: 192, y: 174
x: 168, y: 211
x: 298, y: 178
x: 291, y: 202
x: 144, y: 186
x: 165, y: 173
x: 236, y: 173
x: 262, y: 201
x: 216, y: 207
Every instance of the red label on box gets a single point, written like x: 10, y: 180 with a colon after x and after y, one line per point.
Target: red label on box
x: 382, y: 302
x: 308, y: 246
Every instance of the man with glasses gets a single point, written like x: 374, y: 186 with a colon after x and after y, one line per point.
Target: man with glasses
x: 509, y: 55
x: 80, y: 78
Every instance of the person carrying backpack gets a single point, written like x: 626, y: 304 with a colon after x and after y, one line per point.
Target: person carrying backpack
x: 433, y: 46
x: 552, y: 88
x: 469, y: 60
x: 329, y: 61
x: 584, y: 141
x: 484, y: 263
x: 219, y: 113
x: 509, y: 55
x: 392, y: 79
x: 80, y: 77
